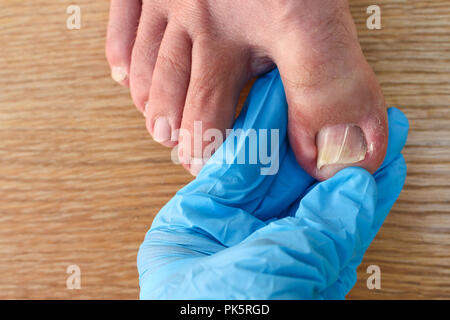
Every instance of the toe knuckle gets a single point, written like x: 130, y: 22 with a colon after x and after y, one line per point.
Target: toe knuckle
x: 203, y: 93
x: 174, y: 63
x: 139, y: 77
x: 144, y: 50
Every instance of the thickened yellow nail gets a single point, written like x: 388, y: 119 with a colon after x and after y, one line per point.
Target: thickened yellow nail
x: 340, y: 144
x: 118, y: 74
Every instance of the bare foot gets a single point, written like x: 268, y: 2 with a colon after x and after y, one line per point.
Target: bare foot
x: 188, y: 60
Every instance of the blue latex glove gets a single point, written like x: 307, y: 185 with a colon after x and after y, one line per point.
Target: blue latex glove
x: 233, y: 233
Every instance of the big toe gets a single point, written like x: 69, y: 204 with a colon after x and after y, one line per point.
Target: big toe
x: 339, y: 124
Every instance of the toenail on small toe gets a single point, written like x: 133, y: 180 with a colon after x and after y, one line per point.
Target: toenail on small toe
x: 118, y: 74
x: 161, y: 130
x: 340, y: 144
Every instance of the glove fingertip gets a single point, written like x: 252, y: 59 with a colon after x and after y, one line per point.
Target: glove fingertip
x: 349, y: 189
x: 398, y: 134
x: 391, y: 179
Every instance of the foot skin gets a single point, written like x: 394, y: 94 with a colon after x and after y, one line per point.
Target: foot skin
x: 187, y: 60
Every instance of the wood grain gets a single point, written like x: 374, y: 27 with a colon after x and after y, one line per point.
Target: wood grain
x: 80, y: 179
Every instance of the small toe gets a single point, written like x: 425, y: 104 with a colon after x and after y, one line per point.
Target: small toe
x: 122, y: 26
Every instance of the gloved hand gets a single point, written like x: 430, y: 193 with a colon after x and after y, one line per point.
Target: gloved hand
x: 234, y: 233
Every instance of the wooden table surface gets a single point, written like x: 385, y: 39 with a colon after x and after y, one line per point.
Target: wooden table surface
x: 81, y: 180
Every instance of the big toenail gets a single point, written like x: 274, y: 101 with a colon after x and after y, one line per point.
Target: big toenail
x: 340, y: 144
x: 161, y: 130
x: 118, y: 74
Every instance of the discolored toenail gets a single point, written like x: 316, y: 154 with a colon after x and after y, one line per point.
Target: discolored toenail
x: 118, y: 74
x: 340, y: 144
